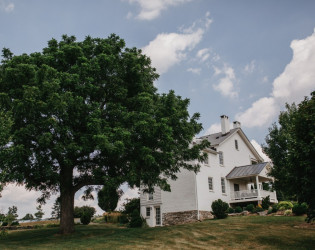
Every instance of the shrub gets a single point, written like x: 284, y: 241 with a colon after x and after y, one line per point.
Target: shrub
x: 79, y: 211
x: 15, y: 223
x: 238, y: 209
x: 310, y: 215
x: 219, y: 208
x: 230, y: 210
x: 250, y: 207
x: 258, y: 209
x: 299, y: 209
x: 4, y: 224
x: 3, y: 234
x: 270, y: 211
x: 86, y: 218
x: 284, y: 205
x: 123, y: 219
x: 135, y: 220
x: 265, y: 203
x: 274, y: 208
x: 288, y: 212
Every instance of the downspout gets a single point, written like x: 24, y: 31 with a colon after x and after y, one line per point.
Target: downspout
x: 196, y: 195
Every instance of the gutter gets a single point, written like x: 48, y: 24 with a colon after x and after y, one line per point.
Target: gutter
x: 196, y: 195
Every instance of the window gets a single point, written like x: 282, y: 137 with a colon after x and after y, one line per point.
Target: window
x: 210, y: 183
x: 150, y: 196
x: 223, y: 185
x: 207, y: 161
x: 236, y: 144
x: 157, y: 216
x: 221, y: 157
x: 148, y: 211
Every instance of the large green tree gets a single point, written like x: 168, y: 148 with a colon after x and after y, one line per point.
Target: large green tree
x: 291, y: 147
x: 87, y: 113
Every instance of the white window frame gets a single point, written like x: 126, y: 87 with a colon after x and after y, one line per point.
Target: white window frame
x: 221, y: 159
x: 147, y: 212
x: 223, y: 186
x: 210, y: 178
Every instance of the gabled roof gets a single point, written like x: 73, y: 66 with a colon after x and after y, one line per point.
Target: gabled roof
x: 249, y: 170
x: 217, y: 138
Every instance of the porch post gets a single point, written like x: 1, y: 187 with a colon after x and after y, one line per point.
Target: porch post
x: 258, y: 190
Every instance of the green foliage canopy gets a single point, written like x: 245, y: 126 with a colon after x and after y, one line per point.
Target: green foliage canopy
x: 291, y: 147
x: 85, y: 113
x: 108, y: 198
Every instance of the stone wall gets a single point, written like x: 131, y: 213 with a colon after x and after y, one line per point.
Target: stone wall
x: 184, y: 217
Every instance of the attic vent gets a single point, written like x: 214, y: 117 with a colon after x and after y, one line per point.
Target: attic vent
x: 217, y: 137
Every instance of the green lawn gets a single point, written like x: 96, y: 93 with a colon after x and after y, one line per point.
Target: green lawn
x: 235, y: 232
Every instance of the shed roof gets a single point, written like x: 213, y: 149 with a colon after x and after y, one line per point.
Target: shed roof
x: 248, y: 170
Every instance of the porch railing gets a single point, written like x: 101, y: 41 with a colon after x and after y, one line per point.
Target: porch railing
x: 252, y: 194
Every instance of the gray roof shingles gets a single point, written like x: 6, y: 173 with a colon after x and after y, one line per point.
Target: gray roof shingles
x: 248, y: 170
x: 217, y: 138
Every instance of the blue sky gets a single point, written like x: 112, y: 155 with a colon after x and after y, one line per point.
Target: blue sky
x: 244, y: 59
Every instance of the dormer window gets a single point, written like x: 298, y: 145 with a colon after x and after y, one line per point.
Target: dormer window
x: 236, y: 144
x: 221, y: 158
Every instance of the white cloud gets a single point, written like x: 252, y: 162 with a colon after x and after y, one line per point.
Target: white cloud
x: 194, y: 70
x: 168, y: 49
x: 152, y: 9
x: 260, y: 151
x: 295, y: 82
x: 203, y: 54
x: 265, y: 79
x: 215, y: 128
x: 24, y: 200
x: 226, y: 85
x: 250, y: 67
x: 6, y: 6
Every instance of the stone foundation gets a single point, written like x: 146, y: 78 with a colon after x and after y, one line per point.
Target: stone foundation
x: 204, y: 215
x: 184, y: 217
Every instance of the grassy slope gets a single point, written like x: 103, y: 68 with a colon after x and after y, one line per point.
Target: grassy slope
x: 235, y: 232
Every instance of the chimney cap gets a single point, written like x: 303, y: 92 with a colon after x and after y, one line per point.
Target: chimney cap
x: 224, y: 116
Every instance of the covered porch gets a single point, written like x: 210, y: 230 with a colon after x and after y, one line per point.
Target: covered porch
x: 250, y: 183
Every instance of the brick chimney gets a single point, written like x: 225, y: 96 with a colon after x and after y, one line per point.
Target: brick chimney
x: 225, y: 124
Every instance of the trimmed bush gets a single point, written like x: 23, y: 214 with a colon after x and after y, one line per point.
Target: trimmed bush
x: 219, y: 209
x: 270, y: 210
x: 299, y: 209
x: 4, y: 224
x: 250, y: 207
x: 238, y: 209
x: 230, y: 210
x: 258, y: 209
x: 284, y: 205
x: 86, y: 218
x: 136, y: 220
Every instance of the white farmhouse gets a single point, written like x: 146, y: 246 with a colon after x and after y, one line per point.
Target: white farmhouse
x: 234, y: 172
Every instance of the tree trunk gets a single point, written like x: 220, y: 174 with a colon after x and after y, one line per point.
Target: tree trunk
x: 67, y: 203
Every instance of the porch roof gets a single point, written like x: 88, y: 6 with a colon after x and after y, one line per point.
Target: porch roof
x: 249, y: 170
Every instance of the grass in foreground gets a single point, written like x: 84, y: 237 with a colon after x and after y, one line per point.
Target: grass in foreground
x: 235, y: 232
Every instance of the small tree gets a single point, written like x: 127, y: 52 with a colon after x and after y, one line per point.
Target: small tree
x: 11, y: 215
x: 219, y: 209
x: 108, y: 198
x: 39, y: 214
x: 28, y: 217
x: 55, y: 213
